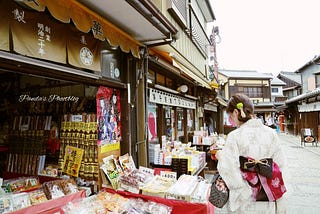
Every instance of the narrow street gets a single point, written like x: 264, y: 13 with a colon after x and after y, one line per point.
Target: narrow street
x: 303, y: 196
x: 304, y: 170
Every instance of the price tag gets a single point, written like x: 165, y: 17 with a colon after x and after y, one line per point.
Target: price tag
x: 168, y: 174
x: 146, y: 170
x: 76, y: 118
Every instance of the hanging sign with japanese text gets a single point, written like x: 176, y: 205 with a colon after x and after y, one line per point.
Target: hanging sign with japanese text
x: 37, y: 35
x: 83, y: 50
x: 161, y: 97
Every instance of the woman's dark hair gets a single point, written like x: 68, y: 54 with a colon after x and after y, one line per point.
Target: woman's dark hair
x: 247, y: 106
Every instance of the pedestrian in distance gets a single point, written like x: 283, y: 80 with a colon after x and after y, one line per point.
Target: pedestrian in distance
x: 252, y: 163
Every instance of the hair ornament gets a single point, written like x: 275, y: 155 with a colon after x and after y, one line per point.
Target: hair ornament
x: 240, y: 107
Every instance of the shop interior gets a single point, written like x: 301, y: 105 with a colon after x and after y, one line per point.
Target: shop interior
x: 32, y: 109
x: 35, y: 109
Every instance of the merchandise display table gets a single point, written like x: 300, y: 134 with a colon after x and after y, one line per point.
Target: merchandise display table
x: 53, y: 206
x: 178, y: 206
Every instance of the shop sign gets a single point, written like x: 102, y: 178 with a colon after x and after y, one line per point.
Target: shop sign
x: 36, y: 35
x: 86, y: 20
x: 165, y: 98
x: 310, y: 107
x: 210, y: 107
x: 83, y: 50
x: 72, y: 160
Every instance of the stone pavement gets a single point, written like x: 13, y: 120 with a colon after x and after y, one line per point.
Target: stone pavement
x: 304, y: 175
x: 296, y: 140
x: 303, y: 184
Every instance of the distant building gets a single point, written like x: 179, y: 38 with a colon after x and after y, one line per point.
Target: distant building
x: 303, y: 110
x: 277, y: 96
x: 255, y: 85
x: 293, y: 83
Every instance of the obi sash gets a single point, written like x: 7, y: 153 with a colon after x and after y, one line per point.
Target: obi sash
x: 264, y: 176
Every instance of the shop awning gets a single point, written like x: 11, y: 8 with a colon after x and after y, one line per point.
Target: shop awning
x: 221, y: 101
x: 307, y: 95
x: 85, y: 20
x: 264, y: 110
x: 192, y: 74
x: 310, y: 107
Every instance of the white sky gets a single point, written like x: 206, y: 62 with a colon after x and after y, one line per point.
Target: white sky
x: 267, y: 35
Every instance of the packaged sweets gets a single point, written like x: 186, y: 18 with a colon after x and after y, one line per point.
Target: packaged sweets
x: 127, y: 163
x: 6, y: 203
x: 20, y: 200
x: 68, y: 186
x: 110, y: 168
x: 37, y: 196
x: 53, y: 190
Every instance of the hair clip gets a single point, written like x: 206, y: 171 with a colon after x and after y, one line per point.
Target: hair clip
x: 240, y: 107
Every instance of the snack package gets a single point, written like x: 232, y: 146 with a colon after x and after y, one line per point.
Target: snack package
x: 53, y: 190
x: 127, y: 163
x: 20, y: 200
x: 32, y: 183
x: 6, y: 203
x: 21, y: 184
x: 37, y: 196
x: 134, y: 181
x: 140, y: 206
x: 110, y: 168
x: 68, y: 186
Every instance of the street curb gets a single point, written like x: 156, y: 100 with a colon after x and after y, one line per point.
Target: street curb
x: 296, y: 140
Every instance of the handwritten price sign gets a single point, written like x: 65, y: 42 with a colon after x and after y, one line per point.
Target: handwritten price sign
x: 72, y: 160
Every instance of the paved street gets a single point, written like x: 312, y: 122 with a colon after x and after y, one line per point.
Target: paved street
x: 303, y: 186
x: 304, y: 170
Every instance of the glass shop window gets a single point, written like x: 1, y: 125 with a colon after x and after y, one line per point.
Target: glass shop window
x: 169, y: 122
x: 152, y: 122
x: 190, y: 120
x: 161, y: 79
x: 180, y: 123
x: 151, y: 77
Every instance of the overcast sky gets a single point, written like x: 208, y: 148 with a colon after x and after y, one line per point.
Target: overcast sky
x: 267, y: 35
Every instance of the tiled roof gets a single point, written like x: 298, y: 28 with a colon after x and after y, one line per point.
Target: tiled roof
x: 291, y: 76
x: 244, y: 74
x: 312, y: 93
x: 277, y: 81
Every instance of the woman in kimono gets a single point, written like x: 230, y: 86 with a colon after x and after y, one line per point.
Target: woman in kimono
x: 254, y: 142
